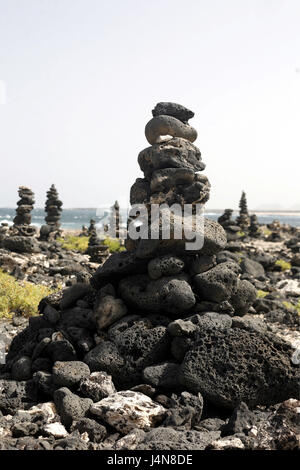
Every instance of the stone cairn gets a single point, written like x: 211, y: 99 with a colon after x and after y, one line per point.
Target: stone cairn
x: 53, y: 208
x: 92, y: 227
x: 243, y: 220
x: 84, y: 231
x: 229, y: 225
x: 22, y: 220
x: 115, y: 220
x: 21, y: 235
x: 4, y: 231
x: 254, y: 229
x: 96, y: 249
x: 160, y: 320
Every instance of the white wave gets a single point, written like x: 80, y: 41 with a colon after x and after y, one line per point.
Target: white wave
x: 5, y: 221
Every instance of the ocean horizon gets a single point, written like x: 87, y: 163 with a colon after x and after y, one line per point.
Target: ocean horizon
x: 75, y: 218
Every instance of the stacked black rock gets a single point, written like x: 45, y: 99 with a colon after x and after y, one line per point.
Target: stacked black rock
x: 22, y: 233
x: 254, y: 229
x: 243, y: 220
x: 96, y: 249
x: 115, y: 220
x: 92, y: 226
x: 53, y: 208
x: 22, y: 220
x: 84, y: 231
x: 229, y: 225
x: 4, y: 230
x: 160, y: 319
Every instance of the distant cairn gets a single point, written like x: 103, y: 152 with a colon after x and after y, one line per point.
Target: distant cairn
x: 243, y: 220
x: 22, y: 220
x: 254, y: 229
x: 21, y: 235
x: 53, y: 208
x: 92, y: 227
x: 115, y: 220
x: 96, y: 249
x: 229, y: 225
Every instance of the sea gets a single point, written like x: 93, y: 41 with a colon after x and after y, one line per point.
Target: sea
x: 74, y: 219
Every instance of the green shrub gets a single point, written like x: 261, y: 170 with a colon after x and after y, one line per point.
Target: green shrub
x: 266, y: 231
x: 241, y: 234
x: 114, y: 245
x: 284, y: 265
x: 19, y: 297
x: 261, y: 294
x: 74, y: 243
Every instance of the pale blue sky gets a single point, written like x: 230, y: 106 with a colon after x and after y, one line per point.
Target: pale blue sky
x: 83, y: 75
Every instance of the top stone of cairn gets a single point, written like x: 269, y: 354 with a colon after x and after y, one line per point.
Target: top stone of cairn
x: 173, y: 109
x: 170, y: 120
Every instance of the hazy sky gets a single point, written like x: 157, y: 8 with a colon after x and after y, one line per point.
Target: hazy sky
x: 82, y: 77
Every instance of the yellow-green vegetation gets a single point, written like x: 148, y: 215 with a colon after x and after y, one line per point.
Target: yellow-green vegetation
x: 261, y: 294
x: 74, y: 243
x: 113, y: 244
x: 241, y: 234
x: 266, y: 231
x: 284, y: 265
x: 19, y: 297
x: 291, y: 306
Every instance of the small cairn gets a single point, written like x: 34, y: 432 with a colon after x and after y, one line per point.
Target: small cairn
x: 276, y: 229
x: 92, y: 227
x: 4, y: 231
x: 96, y: 249
x: 84, y: 231
x: 53, y: 208
x: 21, y: 239
x: 22, y: 220
x: 243, y: 220
x: 254, y: 229
x: 115, y: 220
x: 229, y: 225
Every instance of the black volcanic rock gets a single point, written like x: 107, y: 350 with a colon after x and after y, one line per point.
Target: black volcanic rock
x: 173, y: 109
x: 234, y: 365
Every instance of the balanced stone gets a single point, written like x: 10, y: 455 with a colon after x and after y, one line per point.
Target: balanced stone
x: 173, y: 109
x: 169, y: 127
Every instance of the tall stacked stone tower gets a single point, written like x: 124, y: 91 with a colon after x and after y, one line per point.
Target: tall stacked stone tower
x: 25, y: 205
x: 243, y: 220
x: 115, y: 220
x: 21, y: 239
x: 53, y: 207
x: 158, y: 274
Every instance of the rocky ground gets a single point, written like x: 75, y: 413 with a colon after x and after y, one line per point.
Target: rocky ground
x: 164, y: 346
x: 52, y: 266
x: 63, y: 400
